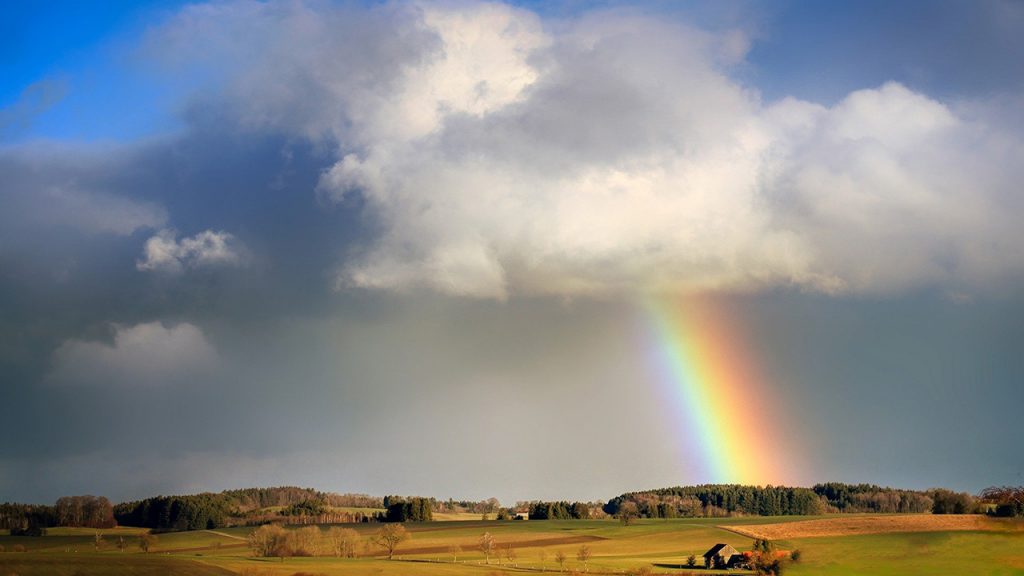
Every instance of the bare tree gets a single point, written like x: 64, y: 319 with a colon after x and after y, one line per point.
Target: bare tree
x: 343, y: 541
x: 510, y: 555
x: 486, y: 545
x: 120, y: 543
x: 560, y: 557
x: 147, y: 541
x: 269, y: 540
x: 390, y: 536
x: 455, y: 550
x: 543, y: 557
x: 305, y: 541
x: 583, y: 555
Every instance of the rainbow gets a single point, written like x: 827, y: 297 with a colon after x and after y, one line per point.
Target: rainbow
x: 726, y: 415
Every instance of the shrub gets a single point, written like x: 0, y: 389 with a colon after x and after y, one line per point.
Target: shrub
x: 795, y: 555
x: 19, y: 548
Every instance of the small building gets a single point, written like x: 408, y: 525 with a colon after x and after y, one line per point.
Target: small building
x: 722, y: 556
x: 521, y: 516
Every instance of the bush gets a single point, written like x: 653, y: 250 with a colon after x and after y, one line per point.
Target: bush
x: 34, y: 531
x: 795, y: 555
x: 691, y: 561
x: 19, y: 548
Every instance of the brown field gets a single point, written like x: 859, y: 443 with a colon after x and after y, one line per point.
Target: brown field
x: 877, y: 524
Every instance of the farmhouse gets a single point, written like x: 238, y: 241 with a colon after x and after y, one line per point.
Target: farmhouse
x: 521, y: 516
x: 722, y: 556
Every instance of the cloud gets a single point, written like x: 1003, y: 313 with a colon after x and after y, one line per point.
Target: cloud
x: 164, y: 253
x: 47, y: 187
x: 143, y: 355
x: 36, y: 99
x: 607, y: 153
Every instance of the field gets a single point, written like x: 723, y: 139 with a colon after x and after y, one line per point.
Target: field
x: 838, y: 545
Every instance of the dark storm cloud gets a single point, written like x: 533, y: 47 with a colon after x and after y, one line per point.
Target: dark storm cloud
x: 180, y: 313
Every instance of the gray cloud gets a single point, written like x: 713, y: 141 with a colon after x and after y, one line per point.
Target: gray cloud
x: 51, y: 187
x: 483, y: 151
x: 143, y: 355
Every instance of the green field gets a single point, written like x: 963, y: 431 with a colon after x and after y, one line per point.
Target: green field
x: 661, y: 545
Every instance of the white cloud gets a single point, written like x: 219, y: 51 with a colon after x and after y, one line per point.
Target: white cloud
x: 143, y: 355
x: 165, y: 253
x: 612, y: 153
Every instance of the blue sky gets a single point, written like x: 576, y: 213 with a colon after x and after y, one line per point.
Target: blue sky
x: 314, y: 243
x: 814, y: 50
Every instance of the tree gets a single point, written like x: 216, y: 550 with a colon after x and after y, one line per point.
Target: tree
x: 408, y: 510
x: 455, y: 550
x: 691, y: 561
x: 269, y: 540
x: 765, y: 561
x: 1008, y: 500
x: 343, y: 541
x: 560, y: 557
x: 583, y: 555
x: 97, y: 541
x: 390, y: 536
x: 120, y: 543
x: 486, y: 545
x: 304, y: 541
x: 543, y: 558
x: 510, y: 555
x: 628, y: 512
x: 147, y: 541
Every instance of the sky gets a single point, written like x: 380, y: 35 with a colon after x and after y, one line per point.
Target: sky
x: 527, y: 251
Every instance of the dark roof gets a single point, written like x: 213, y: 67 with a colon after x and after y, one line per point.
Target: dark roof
x: 721, y: 549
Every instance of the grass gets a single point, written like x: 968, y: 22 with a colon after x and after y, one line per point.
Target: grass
x: 660, y: 544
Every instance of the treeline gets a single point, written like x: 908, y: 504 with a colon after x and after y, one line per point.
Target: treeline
x: 406, y: 509
x: 73, y: 511
x: 84, y: 511
x: 247, y: 499
x: 488, y: 506
x: 26, y: 519
x: 165, y: 513
x: 713, y: 500
x: 859, y: 498
x: 249, y: 506
x: 558, y: 510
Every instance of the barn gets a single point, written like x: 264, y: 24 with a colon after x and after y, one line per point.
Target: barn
x: 722, y: 556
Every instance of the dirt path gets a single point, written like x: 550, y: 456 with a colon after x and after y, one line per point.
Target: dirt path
x: 226, y: 535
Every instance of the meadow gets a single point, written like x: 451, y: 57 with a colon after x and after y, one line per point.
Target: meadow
x: 832, y: 545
